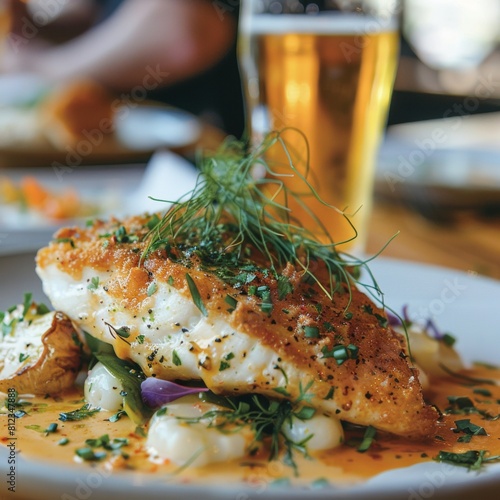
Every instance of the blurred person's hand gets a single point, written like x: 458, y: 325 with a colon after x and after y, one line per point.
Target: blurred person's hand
x: 174, y: 39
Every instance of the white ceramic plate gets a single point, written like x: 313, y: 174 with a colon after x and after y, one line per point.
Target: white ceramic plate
x: 465, y: 304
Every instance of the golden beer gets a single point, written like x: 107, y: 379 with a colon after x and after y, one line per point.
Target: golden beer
x: 331, y: 78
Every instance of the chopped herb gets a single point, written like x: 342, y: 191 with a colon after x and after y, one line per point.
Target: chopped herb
x: 284, y: 287
x: 94, y: 283
x: 330, y: 394
x: 482, y: 392
x: 195, y: 294
x: 89, y: 455
x: 27, y: 303
x: 341, y: 352
x: 85, y: 411
x: 153, y: 222
x: 305, y: 413
x: 462, y: 405
x: 311, y: 332
x: 328, y: 327
x: 224, y: 366
x: 51, y: 428
x: 140, y: 431
x: 304, y: 394
x: 467, y: 427
x: 121, y: 236
x: 368, y: 439
x: 140, y: 339
x: 382, y: 320
x: 152, y: 288
x: 170, y: 280
x: 34, y: 427
x: 264, y: 416
x: 175, y: 358
x: 123, y: 331
x: 232, y: 302
x: 281, y: 390
x: 65, y: 240
x: 448, y: 339
x: 23, y: 357
x: 42, y: 309
x: 267, y: 304
x: 119, y: 414
x: 63, y: 441
x: 472, y: 459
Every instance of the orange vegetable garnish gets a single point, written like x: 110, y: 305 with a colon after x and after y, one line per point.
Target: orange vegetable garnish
x: 52, y: 205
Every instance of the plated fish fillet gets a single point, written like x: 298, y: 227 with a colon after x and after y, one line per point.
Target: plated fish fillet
x: 277, y: 334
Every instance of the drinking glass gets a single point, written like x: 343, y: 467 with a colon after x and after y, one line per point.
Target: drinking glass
x: 4, y: 21
x: 322, y: 73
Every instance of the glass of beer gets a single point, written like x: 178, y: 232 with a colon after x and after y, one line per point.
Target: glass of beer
x: 321, y: 73
x: 4, y: 21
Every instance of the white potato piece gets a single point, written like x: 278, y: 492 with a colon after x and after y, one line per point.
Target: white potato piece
x: 171, y: 438
x: 432, y: 354
x: 41, y: 354
x: 323, y: 432
x: 102, y: 389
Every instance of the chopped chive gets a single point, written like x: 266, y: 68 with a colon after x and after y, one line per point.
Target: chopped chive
x: 232, y: 302
x: 175, y: 358
x: 340, y: 352
x: 311, y: 332
x: 88, y: 454
x: 51, y: 428
x: 368, y: 439
x: 152, y: 288
x: 195, y: 294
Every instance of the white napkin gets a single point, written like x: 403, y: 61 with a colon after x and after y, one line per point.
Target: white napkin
x: 167, y: 177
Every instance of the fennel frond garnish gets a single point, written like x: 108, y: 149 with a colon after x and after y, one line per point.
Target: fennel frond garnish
x: 233, y: 220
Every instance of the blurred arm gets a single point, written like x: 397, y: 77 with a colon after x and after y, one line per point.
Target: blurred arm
x: 175, y: 39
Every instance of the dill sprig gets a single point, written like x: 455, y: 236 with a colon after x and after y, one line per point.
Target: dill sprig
x: 265, y: 417
x: 233, y: 219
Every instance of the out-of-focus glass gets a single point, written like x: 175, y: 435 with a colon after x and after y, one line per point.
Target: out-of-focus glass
x: 4, y: 22
x: 327, y: 69
x: 452, y: 34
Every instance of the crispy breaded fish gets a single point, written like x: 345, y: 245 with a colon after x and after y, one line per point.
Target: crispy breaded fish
x: 256, y: 329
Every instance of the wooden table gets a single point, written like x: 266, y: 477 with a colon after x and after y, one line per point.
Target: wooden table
x: 469, y: 243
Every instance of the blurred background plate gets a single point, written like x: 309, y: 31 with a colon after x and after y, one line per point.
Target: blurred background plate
x: 27, y: 138
x: 100, y: 190
x: 95, y: 191
x: 447, y: 164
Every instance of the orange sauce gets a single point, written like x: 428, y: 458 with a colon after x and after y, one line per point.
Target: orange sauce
x: 343, y: 465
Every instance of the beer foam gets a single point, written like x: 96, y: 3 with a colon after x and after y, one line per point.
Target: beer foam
x: 319, y: 24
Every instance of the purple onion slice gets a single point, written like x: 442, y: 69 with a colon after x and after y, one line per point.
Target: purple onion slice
x: 156, y: 392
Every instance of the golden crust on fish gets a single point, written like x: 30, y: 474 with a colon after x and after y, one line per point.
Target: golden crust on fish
x: 279, y: 337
